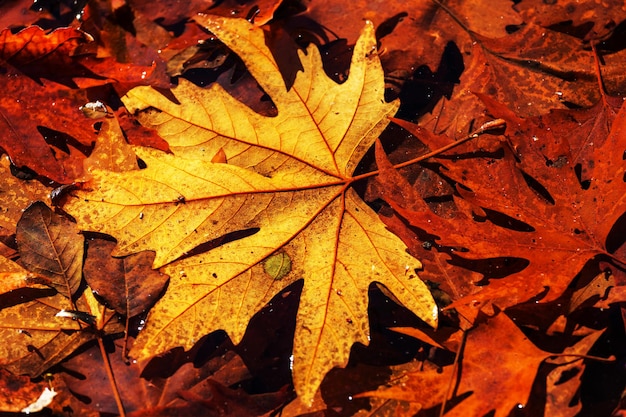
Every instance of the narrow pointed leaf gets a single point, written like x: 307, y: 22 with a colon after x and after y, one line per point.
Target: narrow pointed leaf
x: 13, y: 277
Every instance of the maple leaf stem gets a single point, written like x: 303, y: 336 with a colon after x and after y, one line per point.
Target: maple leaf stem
x: 454, y: 375
x: 485, y: 128
x: 111, y: 377
x: 579, y: 356
x: 596, y: 65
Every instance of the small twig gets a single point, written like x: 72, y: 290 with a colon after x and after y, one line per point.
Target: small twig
x: 486, y: 127
x: 109, y: 371
x: 490, y: 125
x: 454, y: 374
x: 579, y: 356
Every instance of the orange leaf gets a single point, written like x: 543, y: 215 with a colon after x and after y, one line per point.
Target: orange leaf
x: 498, y: 369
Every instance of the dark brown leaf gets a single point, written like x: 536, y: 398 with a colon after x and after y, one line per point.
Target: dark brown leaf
x: 52, y: 246
x: 128, y: 284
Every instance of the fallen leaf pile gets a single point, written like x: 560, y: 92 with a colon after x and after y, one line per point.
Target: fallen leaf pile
x: 313, y: 208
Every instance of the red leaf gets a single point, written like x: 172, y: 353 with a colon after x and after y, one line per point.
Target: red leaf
x: 530, y: 203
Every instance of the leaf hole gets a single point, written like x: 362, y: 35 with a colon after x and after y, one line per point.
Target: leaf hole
x: 389, y: 25
x: 567, y: 27
x: 512, y: 28
x: 222, y: 240
x: 425, y: 88
x: 584, y: 183
x: 507, y: 222
x: 559, y: 162
x: 538, y: 188
x: 22, y: 173
x: 617, y: 235
x: 567, y: 375
x: 491, y: 268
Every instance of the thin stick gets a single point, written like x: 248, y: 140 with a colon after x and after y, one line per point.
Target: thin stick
x: 109, y: 371
x: 454, y: 373
x: 578, y: 356
x: 490, y: 125
x: 596, y: 62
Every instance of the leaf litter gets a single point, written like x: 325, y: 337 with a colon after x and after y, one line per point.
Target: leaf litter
x: 44, y: 327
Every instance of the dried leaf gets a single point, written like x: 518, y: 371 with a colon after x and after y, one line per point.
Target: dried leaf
x: 497, y: 373
x: 129, y: 285
x: 17, y: 392
x: 111, y: 151
x: 35, y: 338
x: 588, y: 20
x: 189, y: 389
x: 530, y: 204
x: 13, y: 277
x: 16, y: 195
x: 596, y: 289
x: 285, y: 185
x: 531, y: 71
x: 52, y: 246
x: 57, y: 110
x: 563, y: 383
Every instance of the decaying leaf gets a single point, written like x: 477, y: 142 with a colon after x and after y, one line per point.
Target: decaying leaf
x: 42, y: 324
x: 111, y: 152
x: 563, y: 382
x: 286, y: 182
x: 129, y: 285
x: 16, y: 195
x: 189, y: 384
x: 40, y: 143
x: 51, y: 245
x: 18, y: 392
x: 35, y: 338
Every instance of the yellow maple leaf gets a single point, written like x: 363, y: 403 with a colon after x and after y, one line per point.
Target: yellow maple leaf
x: 287, y: 182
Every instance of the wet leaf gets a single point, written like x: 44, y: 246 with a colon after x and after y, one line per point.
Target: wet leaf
x: 581, y: 19
x: 191, y: 390
x: 494, y: 344
x: 35, y: 338
x: 18, y: 392
x: 13, y: 277
x: 129, y: 285
x: 529, y: 204
x: 52, y: 246
x: 16, y: 195
x: 286, y: 185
